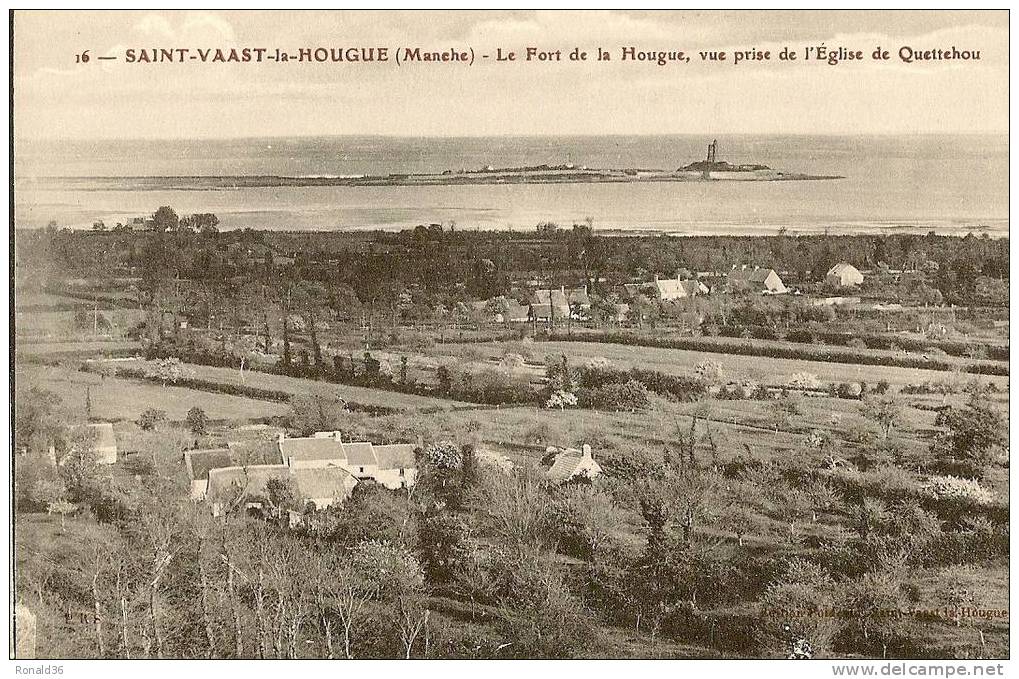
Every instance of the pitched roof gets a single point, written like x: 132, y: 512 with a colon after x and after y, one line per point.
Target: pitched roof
x: 254, y: 451
x: 842, y: 267
x: 571, y: 462
x: 578, y: 295
x: 633, y: 289
x: 754, y: 275
x: 311, y: 448
x: 225, y: 483
x: 200, y: 462
x: 540, y: 310
x: 693, y: 287
x: 759, y: 276
x: 396, y: 456
x: 557, y: 297
x: 670, y: 286
x: 330, y: 482
x: 565, y: 465
x: 360, y: 454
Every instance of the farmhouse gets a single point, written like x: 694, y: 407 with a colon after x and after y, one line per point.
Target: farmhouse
x: 570, y: 464
x: 142, y: 224
x: 200, y: 462
x: 578, y: 298
x: 546, y: 304
x: 396, y: 465
x: 229, y: 485
x: 843, y: 275
x: 515, y: 312
x: 392, y: 466
x: 756, y: 279
x: 669, y: 289
x: 324, y: 487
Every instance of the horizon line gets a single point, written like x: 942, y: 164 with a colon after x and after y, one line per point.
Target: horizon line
x: 381, y: 135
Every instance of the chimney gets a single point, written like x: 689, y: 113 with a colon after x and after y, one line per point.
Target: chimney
x: 587, y: 451
x: 562, y: 289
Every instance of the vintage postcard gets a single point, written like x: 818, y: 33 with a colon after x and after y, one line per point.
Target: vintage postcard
x: 511, y: 335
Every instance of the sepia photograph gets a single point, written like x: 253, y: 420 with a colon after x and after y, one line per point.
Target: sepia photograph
x: 510, y: 335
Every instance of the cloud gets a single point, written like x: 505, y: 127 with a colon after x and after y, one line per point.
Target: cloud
x: 196, y: 28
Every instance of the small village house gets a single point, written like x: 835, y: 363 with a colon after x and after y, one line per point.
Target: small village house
x: 669, y: 289
x: 323, y: 487
x: 516, y: 312
x: 843, y: 275
x: 757, y: 280
x: 322, y: 468
x: 558, y: 305
x: 570, y: 464
x: 392, y: 466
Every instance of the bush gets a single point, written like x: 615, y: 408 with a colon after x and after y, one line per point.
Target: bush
x: 631, y: 395
x: 561, y: 400
x: 197, y: 420
x: 680, y: 387
x: 804, y: 380
x: 151, y: 418
x: 849, y: 390
x: 709, y: 371
x: 958, y: 489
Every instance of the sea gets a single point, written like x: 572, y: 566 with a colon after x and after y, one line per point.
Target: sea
x: 949, y: 184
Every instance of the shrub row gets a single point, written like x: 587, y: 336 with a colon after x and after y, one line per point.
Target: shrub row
x: 237, y: 389
x: 630, y: 396
x: 867, y: 341
x: 676, y: 386
x: 488, y: 386
x: 805, y: 353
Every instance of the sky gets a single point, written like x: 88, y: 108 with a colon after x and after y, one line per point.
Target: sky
x: 56, y: 98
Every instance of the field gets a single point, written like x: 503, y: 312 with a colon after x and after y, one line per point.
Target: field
x: 682, y: 362
x: 296, y: 385
x: 60, y: 324
x: 125, y: 399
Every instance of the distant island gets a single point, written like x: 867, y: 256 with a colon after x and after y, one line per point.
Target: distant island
x: 709, y: 169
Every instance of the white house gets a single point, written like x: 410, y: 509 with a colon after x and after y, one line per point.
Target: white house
x: 843, y: 275
x: 323, y: 486
x: 668, y: 289
x: 756, y: 279
x: 571, y: 463
x: 397, y: 467
x: 392, y: 465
